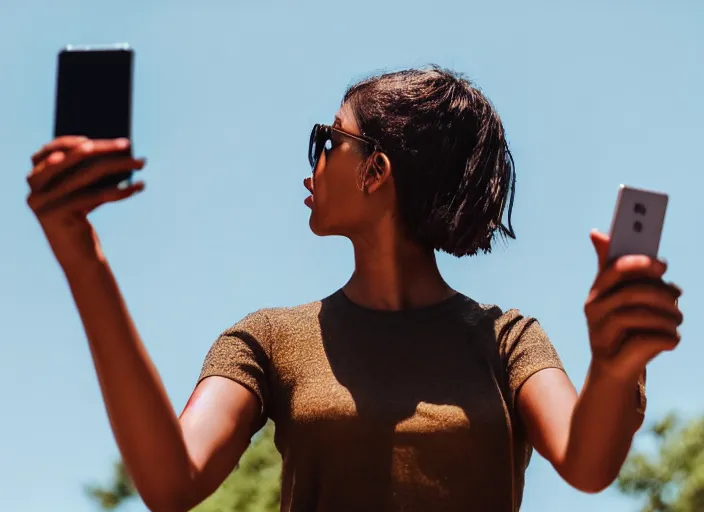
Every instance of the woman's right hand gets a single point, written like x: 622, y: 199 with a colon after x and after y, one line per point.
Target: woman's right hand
x: 59, y: 194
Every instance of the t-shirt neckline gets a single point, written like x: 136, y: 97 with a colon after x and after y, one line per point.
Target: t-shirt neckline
x: 341, y: 298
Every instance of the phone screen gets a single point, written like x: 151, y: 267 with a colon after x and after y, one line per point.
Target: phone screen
x: 94, y: 93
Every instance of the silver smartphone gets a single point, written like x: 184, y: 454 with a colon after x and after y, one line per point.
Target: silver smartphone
x: 637, y: 223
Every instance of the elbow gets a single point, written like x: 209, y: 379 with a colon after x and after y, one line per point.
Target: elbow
x: 168, y: 491
x: 590, y: 487
x: 164, y: 503
x: 161, y: 504
x: 586, y: 481
x: 167, y: 500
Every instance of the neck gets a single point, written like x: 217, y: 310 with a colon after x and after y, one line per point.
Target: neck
x: 392, y: 273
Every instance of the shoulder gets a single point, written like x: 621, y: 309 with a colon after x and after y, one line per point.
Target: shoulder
x: 523, y: 346
x: 511, y: 322
x: 291, y: 315
x: 509, y: 326
x: 266, y: 325
x: 501, y: 319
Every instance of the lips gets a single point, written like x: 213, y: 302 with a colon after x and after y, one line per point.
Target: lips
x: 308, y: 183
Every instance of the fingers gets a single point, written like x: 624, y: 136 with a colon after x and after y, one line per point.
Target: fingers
x: 627, y: 268
x: 631, y: 310
x: 628, y: 307
x: 81, y: 178
x: 66, y: 153
x: 655, y: 295
x: 62, y: 144
x: 632, y: 314
x: 88, y: 200
x: 626, y: 325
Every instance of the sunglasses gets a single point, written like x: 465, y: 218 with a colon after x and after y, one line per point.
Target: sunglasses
x: 324, y: 138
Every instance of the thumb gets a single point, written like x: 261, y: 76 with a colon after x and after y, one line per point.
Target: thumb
x: 601, y: 246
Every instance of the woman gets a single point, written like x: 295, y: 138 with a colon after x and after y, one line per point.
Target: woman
x: 395, y: 392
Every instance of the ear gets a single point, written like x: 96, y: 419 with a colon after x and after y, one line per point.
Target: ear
x: 378, y: 172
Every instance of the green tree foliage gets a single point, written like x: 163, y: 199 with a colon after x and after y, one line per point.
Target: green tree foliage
x: 672, y: 478
x: 255, y: 486
x: 119, y: 491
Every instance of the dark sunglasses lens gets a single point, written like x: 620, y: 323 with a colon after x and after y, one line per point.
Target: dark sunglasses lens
x: 311, y: 145
x: 318, y: 139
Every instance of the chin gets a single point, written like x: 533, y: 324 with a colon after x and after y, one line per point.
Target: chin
x: 316, y: 229
x: 319, y: 228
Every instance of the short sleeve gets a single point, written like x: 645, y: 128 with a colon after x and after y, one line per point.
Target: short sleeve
x: 242, y: 354
x: 524, y: 347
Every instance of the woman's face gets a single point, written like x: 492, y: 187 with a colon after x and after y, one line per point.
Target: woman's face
x: 339, y: 206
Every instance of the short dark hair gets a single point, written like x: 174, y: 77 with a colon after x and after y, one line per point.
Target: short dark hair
x: 451, y: 163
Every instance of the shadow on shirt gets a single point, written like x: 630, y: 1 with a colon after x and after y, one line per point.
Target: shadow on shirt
x: 413, y: 415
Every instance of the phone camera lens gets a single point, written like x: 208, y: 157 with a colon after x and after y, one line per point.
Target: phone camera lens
x: 637, y: 226
x: 640, y: 209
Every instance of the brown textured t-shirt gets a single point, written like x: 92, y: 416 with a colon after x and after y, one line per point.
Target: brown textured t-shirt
x: 408, y: 411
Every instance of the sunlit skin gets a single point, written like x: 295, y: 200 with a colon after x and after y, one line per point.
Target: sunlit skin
x: 177, y: 462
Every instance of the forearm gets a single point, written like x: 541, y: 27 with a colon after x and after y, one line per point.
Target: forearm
x: 143, y: 420
x: 604, y: 421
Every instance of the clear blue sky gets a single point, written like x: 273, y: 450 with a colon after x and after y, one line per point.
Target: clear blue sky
x: 593, y: 94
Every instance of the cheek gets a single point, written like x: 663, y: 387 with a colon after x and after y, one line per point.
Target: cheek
x: 334, y: 181
x: 337, y: 196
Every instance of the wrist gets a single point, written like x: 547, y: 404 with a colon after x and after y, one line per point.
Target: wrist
x: 82, y: 268
x: 76, y: 250
x: 606, y: 372
x: 607, y: 380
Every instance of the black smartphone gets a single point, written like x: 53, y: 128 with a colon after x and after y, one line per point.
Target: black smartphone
x: 94, y: 95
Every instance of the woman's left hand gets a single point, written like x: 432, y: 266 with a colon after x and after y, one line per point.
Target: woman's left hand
x: 632, y: 313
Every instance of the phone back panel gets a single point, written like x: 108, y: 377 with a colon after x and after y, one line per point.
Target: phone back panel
x: 636, y: 227
x: 94, y: 92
